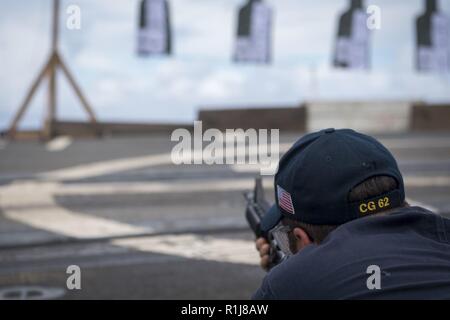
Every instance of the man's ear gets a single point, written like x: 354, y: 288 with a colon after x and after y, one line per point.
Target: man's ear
x: 302, y: 238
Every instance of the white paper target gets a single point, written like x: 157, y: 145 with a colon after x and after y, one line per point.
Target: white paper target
x: 353, y: 51
x: 153, y: 37
x: 436, y: 58
x: 256, y: 46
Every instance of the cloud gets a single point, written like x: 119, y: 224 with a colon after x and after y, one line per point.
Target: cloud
x: 122, y: 86
x: 221, y: 84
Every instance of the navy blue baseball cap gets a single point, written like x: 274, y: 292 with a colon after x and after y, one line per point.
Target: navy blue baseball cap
x: 316, y: 175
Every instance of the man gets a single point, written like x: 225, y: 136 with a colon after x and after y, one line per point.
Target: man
x: 340, y: 201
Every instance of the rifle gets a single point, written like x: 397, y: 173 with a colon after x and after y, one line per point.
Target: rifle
x: 257, y: 207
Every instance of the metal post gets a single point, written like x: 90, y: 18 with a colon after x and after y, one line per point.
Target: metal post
x: 50, y: 72
x: 52, y: 103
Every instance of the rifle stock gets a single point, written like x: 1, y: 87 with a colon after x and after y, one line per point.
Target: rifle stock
x: 257, y: 207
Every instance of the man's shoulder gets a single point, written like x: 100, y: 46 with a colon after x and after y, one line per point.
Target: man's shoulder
x: 305, y: 274
x: 302, y: 275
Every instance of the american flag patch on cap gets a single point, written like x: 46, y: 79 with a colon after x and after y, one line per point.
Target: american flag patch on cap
x: 285, y: 200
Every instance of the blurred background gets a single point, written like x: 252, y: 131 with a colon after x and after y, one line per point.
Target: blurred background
x: 91, y: 92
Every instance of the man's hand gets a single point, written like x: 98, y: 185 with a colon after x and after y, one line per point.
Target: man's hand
x: 263, y: 248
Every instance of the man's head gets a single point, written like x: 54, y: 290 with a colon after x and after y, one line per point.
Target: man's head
x: 329, y: 178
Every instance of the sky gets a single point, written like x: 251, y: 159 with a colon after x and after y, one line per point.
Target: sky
x: 200, y: 75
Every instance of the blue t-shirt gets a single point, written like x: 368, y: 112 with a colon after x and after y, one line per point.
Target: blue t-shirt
x: 411, y: 248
